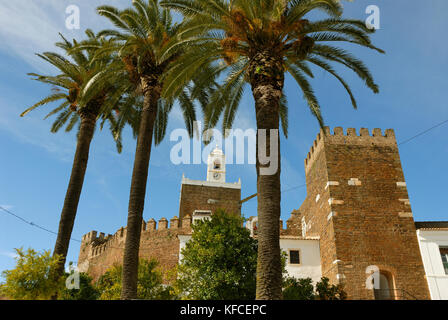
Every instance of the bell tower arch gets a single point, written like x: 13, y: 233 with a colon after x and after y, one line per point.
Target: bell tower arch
x: 216, y: 166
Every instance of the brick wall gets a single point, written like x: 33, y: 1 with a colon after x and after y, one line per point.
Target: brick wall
x: 200, y: 197
x: 99, y: 253
x: 357, y: 203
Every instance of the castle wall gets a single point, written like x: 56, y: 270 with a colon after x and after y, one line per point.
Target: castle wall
x: 99, y: 253
x: 357, y: 203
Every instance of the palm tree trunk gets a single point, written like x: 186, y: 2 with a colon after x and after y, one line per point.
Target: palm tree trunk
x: 73, y: 194
x: 151, y: 93
x: 266, y: 78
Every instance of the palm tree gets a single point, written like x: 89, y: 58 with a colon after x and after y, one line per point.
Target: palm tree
x: 85, y: 98
x: 257, y: 42
x: 144, y: 33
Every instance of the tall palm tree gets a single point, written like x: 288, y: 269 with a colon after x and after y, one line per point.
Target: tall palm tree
x: 144, y: 33
x: 85, y: 98
x: 257, y: 42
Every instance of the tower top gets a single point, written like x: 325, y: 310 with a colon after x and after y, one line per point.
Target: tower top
x: 216, y: 151
x: 350, y: 138
x: 216, y: 166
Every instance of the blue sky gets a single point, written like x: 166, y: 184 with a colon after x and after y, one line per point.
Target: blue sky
x: 35, y: 164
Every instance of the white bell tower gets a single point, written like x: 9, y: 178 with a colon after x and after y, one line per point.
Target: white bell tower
x: 216, y: 169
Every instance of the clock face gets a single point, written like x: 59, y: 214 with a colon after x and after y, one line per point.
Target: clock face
x: 216, y: 175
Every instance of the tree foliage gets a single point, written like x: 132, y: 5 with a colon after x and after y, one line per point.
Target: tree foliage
x: 303, y: 289
x: 30, y: 279
x: 140, y: 41
x: 298, y: 289
x: 86, y: 291
x: 327, y: 291
x: 84, y: 84
x: 232, y: 34
x: 219, y: 262
x: 149, y: 285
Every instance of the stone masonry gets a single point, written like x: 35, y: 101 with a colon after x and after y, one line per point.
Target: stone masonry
x: 202, y: 197
x: 357, y: 203
x: 98, y: 253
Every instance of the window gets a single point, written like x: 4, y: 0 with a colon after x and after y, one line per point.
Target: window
x: 294, y: 257
x: 216, y: 165
x: 444, y: 254
x: 200, y: 215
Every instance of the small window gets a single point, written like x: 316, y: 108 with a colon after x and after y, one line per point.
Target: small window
x: 201, y: 215
x: 444, y: 254
x: 294, y: 257
x: 217, y: 165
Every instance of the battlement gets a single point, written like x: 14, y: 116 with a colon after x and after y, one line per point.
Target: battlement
x: 350, y: 137
x: 252, y: 225
x: 99, y: 243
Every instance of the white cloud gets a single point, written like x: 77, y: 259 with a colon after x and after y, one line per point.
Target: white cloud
x: 29, y: 27
x: 11, y: 255
x: 33, y: 130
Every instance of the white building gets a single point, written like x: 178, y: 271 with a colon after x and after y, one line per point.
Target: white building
x: 303, y: 257
x: 433, y: 241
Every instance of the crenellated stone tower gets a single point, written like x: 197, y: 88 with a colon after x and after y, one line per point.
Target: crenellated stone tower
x: 358, y: 205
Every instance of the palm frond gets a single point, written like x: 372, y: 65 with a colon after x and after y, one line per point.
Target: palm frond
x: 308, y: 93
x: 46, y: 100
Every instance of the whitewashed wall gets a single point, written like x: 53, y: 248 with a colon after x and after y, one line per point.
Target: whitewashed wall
x: 183, y: 239
x: 429, y: 242
x: 309, y: 258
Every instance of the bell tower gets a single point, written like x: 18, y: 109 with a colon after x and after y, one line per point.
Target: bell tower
x: 216, y: 166
x: 198, y: 197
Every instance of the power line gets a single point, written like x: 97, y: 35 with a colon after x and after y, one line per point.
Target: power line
x: 284, y: 191
x: 423, y: 132
x: 294, y: 188
x: 401, y: 143
x: 32, y: 223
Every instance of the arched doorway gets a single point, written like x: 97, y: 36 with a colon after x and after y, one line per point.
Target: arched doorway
x: 386, y: 290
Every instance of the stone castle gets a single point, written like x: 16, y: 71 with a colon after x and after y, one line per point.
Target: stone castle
x: 356, y: 219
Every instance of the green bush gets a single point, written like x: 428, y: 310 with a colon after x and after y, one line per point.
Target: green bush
x: 220, y: 260
x: 86, y: 291
x: 149, y: 285
x: 325, y: 291
x: 298, y: 289
x: 30, y: 279
x: 302, y: 289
